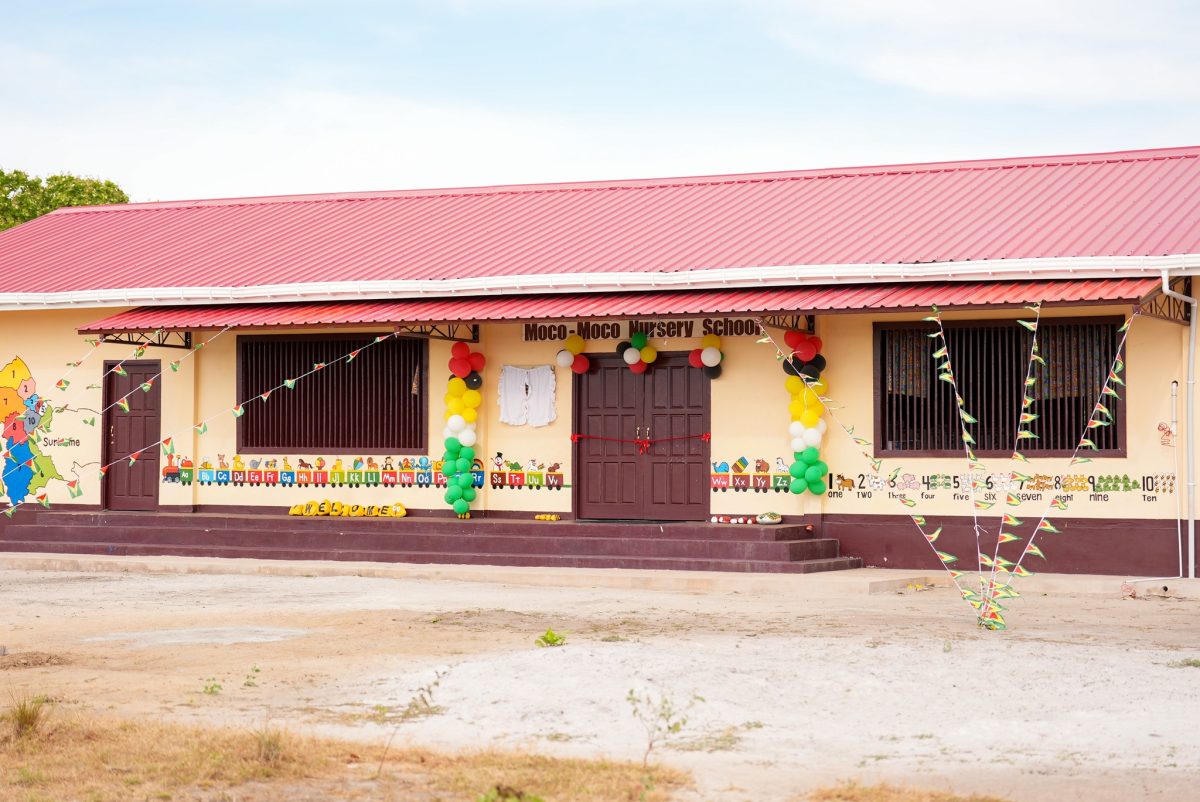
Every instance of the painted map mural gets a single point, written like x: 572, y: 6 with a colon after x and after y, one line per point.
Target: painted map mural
x: 26, y: 417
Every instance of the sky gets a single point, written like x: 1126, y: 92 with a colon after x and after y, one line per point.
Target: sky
x: 177, y: 100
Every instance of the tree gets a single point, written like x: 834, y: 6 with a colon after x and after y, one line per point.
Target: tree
x: 24, y: 197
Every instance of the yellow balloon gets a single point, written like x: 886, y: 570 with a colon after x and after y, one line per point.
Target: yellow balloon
x: 470, y: 415
x: 809, y: 397
x: 796, y: 407
x: 456, y: 386
x: 797, y: 415
x: 710, y: 341
x: 472, y: 399
x: 821, y: 387
x: 816, y: 407
x: 574, y: 344
x: 455, y: 407
x: 649, y: 354
x: 794, y: 384
x: 810, y: 418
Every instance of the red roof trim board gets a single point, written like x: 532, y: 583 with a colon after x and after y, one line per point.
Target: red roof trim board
x: 626, y: 305
x: 1110, y: 215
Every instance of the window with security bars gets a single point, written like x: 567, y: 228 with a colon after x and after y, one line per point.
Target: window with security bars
x: 373, y: 404
x: 916, y: 412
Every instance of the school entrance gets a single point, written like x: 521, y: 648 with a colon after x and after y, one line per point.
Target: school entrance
x: 641, y: 441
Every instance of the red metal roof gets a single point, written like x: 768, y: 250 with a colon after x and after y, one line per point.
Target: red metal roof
x: 1136, y: 203
x: 626, y: 305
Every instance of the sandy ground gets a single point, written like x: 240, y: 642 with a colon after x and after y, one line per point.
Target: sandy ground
x: 807, y: 683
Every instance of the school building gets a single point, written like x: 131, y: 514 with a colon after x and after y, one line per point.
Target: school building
x: 860, y: 351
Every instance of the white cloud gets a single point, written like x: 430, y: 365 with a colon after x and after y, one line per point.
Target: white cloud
x: 1056, y: 51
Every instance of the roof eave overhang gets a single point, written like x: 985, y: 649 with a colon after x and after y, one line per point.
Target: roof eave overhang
x: 1059, y: 268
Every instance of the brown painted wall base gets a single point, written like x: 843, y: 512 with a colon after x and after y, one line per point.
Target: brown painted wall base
x: 1085, y: 546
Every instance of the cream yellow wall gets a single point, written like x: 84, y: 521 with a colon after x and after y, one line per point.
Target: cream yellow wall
x: 47, y: 342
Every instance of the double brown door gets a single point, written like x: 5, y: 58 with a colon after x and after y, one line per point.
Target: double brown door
x: 615, y: 478
x: 131, y: 487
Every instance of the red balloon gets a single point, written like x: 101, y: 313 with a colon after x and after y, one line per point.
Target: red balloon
x: 460, y: 350
x: 694, y: 358
x: 806, y: 350
x: 816, y: 341
x: 639, y: 367
x: 793, y: 338
x: 476, y: 361
x: 460, y: 368
x: 580, y: 364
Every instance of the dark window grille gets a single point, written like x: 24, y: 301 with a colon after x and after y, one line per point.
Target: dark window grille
x: 916, y: 412
x: 376, y: 403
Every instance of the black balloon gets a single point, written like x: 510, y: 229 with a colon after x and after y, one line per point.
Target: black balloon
x: 818, y: 362
x: 810, y: 370
x: 623, y: 346
x: 712, y: 371
x: 792, y: 366
x: 474, y: 380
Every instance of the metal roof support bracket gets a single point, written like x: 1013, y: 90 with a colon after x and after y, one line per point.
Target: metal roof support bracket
x: 455, y: 332
x: 151, y: 339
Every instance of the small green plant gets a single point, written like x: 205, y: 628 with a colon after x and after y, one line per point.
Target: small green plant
x: 251, y: 680
x: 660, y: 716
x: 613, y: 639
x: 550, y: 638
x: 211, y: 687
x: 27, y: 715
x: 504, y: 793
x: 1189, y: 662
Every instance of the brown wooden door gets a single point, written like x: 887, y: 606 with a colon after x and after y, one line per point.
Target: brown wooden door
x: 132, y: 487
x: 612, y: 479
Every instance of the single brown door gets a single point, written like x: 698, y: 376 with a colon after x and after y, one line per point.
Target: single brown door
x: 614, y: 480
x: 131, y: 487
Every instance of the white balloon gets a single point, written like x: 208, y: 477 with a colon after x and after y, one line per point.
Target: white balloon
x: 710, y: 356
x: 456, y: 423
x: 811, y: 438
x: 798, y: 444
x: 447, y: 433
x: 467, y: 437
x: 632, y: 356
x: 796, y: 429
x: 822, y: 426
x: 564, y: 358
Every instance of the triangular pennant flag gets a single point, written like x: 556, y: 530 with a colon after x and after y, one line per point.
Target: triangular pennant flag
x: 133, y: 458
x: 139, y: 351
x: 383, y: 337
x: 1112, y: 392
x: 103, y: 471
x: 74, y: 489
x: 1035, y: 551
x: 175, y: 365
x: 941, y: 352
x: 967, y: 438
x: 124, y: 404
x: 956, y: 574
x: 1028, y: 417
x: 1118, y: 363
x: 1000, y: 561
x: 119, y: 370
x: 1019, y: 457
x: 90, y: 421
x: 908, y: 502
x: 1030, y: 381
x: 168, y: 447
x: 62, y: 384
x: 1046, y: 526
x: 947, y: 377
x: 862, y: 442
x: 1114, y: 378
x: 1026, y: 402
x: 201, y: 428
x: 289, y: 383
x: 919, y: 520
x: 1021, y: 477
x: 1126, y: 326
x: 1008, y: 537
x: 986, y: 560
x: 934, y: 335
x: 1011, y: 520
x: 1037, y: 358
x: 199, y: 345
x: 1035, y: 308
x: 966, y: 417
x: 1012, y: 500
x: 350, y: 356
x: 946, y: 559
x: 1059, y: 503
x: 265, y: 395
x: 147, y: 386
x: 1080, y: 460
x: 318, y: 365
x: 1103, y: 409
x: 44, y: 500
x: 1025, y: 434
x: 875, y: 464
x: 1088, y: 443
x: 10, y: 510
x: 1022, y: 571
x: 984, y: 505
x: 239, y: 411
x: 1095, y: 423
x: 934, y: 535
x: 1028, y: 324
x: 931, y: 318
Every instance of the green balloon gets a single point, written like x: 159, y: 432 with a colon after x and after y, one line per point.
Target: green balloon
x: 816, y: 473
x: 453, y: 494
x: 796, y: 469
x: 468, y: 494
x: 462, y: 506
x: 466, y: 453
x: 465, y: 480
x: 453, y: 446
x: 817, y: 488
x: 449, y: 458
x: 638, y: 340
x: 798, y: 486
x: 810, y: 456
x: 463, y: 465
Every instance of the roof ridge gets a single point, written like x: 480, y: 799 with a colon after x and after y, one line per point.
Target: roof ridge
x: 869, y: 171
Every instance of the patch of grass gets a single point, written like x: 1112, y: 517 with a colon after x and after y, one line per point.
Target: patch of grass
x: 101, y: 760
x: 613, y: 639
x: 1189, y: 662
x: 726, y: 740
x: 211, y: 687
x: 26, y: 716
x: 853, y: 792
x: 251, y: 680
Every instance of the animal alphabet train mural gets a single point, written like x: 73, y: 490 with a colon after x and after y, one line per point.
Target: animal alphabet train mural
x: 280, y: 472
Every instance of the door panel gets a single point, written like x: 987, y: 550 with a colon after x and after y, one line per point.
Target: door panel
x: 133, y: 487
x: 615, y: 481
